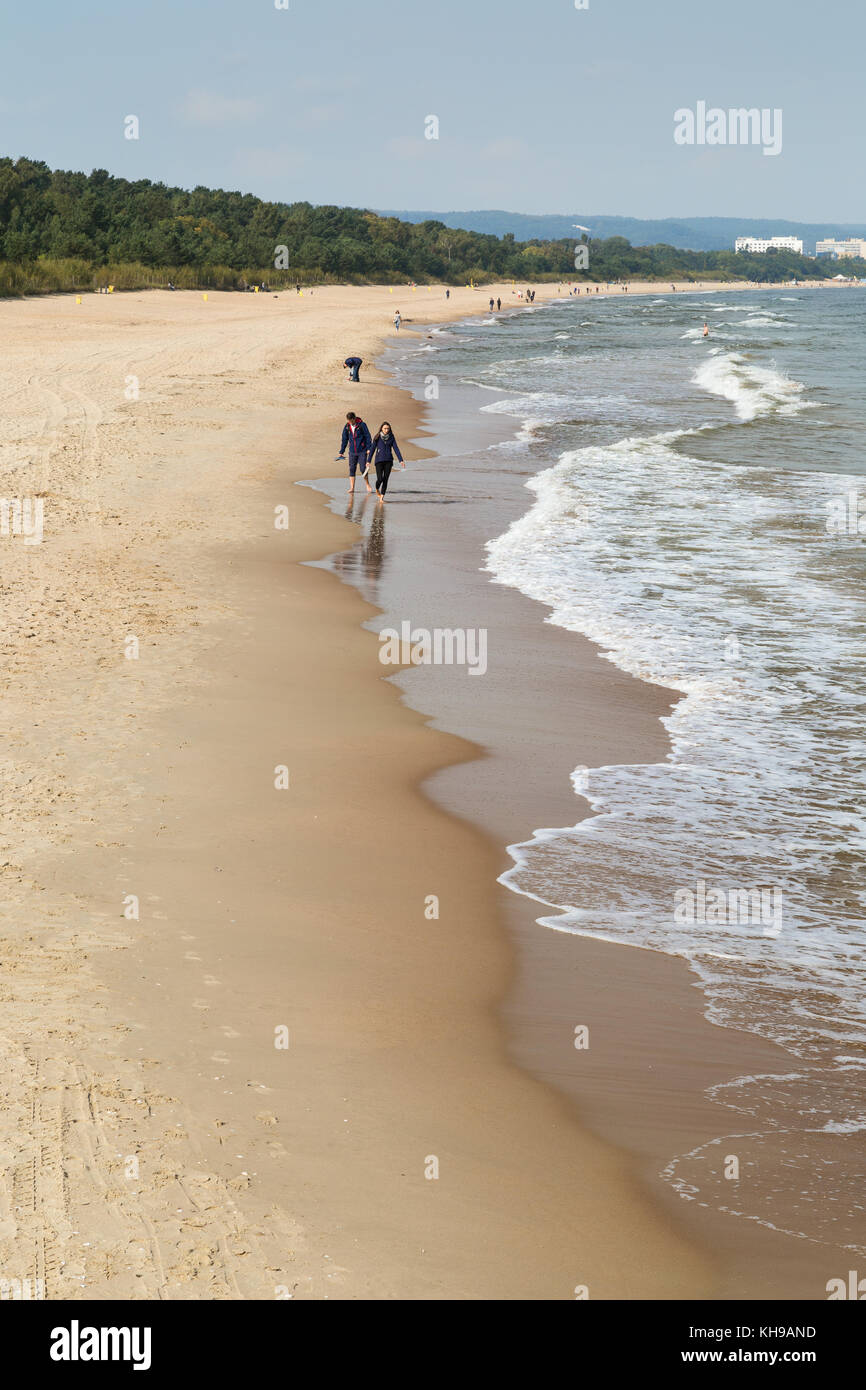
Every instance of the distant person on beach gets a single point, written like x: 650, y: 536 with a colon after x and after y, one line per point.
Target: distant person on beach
x: 498, y: 305
x: 354, y: 365
x: 706, y: 329
x: 356, y: 438
x: 447, y: 294
x: 382, y: 450
x: 491, y: 306
x: 397, y: 320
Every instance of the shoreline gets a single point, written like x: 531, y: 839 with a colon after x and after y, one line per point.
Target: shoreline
x: 690, y: 1052
x: 395, y: 1031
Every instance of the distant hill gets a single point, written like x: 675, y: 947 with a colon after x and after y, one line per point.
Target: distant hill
x: 686, y: 233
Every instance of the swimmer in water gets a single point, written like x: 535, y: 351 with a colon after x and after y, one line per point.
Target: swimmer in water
x: 706, y: 329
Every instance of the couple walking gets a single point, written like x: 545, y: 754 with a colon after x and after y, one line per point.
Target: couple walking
x: 364, y: 450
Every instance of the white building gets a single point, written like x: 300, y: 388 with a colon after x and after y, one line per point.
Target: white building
x: 853, y: 246
x: 773, y: 243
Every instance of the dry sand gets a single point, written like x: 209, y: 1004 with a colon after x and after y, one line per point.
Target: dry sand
x: 166, y: 910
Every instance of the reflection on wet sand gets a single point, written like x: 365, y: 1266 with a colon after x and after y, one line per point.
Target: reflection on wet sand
x: 363, y: 563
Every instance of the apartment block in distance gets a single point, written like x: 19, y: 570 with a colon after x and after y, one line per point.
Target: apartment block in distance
x: 773, y: 243
x: 853, y: 246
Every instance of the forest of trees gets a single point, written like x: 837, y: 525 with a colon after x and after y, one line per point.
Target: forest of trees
x: 61, y: 230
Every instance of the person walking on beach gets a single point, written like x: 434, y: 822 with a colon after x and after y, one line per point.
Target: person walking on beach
x: 498, y: 305
x: 491, y: 306
x: 447, y: 294
x: 356, y: 438
x: 397, y: 320
x: 382, y: 450
x: 354, y: 365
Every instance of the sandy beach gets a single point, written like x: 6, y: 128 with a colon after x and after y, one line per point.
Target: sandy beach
x: 243, y: 1061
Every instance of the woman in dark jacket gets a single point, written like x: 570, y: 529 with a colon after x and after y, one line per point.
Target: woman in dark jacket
x: 382, y: 451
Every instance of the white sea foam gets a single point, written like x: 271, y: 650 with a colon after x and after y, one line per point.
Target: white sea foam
x: 753, y: 390
x: 766, y: 321
x: 665, y: 591
x: 537, y: 405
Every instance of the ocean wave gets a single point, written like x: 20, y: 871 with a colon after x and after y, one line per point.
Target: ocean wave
x: 542, y: 406
x: 767, y: 321
x: 718, y: 596
x: 752, y: 390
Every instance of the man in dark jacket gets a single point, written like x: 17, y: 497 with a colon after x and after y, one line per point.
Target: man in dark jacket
x: 356, y: 438
x: 354, y: 365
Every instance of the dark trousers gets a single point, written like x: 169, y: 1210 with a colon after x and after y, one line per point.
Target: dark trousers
x: 383, y: 473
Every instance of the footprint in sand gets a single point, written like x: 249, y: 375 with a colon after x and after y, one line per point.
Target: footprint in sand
x: 191, y: 955
x: 229, y: 1032
x: 200, y: 1004
x: 211, y: 980
x: 259, y: 1086
x: 265, y: 1117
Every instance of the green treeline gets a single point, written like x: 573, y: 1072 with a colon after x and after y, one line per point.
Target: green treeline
x: 61, y: 231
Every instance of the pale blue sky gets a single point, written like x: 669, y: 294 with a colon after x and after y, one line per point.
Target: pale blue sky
x: 542, y: 108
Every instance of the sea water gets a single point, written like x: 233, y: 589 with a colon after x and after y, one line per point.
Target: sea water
x: 694, y: 508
